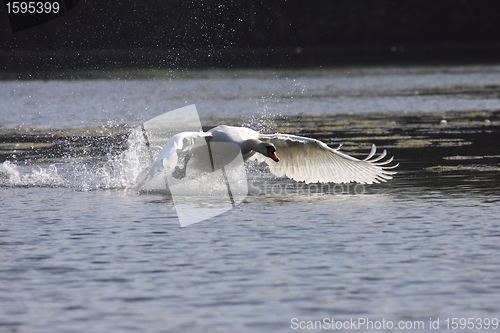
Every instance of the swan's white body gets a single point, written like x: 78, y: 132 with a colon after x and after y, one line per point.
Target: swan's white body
x: 300, y: 158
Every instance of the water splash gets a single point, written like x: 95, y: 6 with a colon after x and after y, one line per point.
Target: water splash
x: 13, y: 175
x: 264, y: 119
x: 85, y: 173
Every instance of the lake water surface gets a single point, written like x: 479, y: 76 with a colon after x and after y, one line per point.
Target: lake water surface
x: 82, y: 251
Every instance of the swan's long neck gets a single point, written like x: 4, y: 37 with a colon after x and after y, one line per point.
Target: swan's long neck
x: 265, y: 148
x: 251, y: 146
x: 255, y: 145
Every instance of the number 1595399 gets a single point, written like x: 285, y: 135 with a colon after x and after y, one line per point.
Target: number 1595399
x: 471, y: 323
x: 32, y: 7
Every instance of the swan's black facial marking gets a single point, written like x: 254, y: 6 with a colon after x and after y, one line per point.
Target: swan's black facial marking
x: 271, y: 152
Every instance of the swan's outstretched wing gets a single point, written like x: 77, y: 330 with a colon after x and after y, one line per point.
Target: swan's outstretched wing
x: 311, y: 161
x: 169, y: 155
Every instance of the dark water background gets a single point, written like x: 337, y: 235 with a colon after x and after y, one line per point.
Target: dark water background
x: 81, y: 251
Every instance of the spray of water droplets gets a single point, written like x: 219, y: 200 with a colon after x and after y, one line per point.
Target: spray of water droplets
x: 116, y: 171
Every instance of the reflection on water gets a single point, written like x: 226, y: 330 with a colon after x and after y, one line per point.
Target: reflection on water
x: 82, y: 251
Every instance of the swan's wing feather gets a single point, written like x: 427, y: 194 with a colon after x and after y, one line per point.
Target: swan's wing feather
x: 310, y: 160
x: 178, y: 143
x: 168, y: 155
x: 372, y: 152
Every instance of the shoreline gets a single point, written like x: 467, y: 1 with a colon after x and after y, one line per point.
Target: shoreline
x: 42, y: 62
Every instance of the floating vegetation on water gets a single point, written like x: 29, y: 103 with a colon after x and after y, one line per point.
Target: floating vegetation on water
x: 453, y: 143
x: 419, y: 143
x: 413, y: 143
x: 458, y: 157
x: 460, y: 167
x: 25, y: 145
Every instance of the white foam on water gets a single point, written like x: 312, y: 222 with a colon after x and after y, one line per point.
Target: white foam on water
x: 119, y: 171
x: 13, y: 175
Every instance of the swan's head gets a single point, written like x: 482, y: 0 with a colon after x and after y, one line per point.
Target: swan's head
x: 270, y: 151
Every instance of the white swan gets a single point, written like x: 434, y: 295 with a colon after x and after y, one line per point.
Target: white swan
x: 299, y: 158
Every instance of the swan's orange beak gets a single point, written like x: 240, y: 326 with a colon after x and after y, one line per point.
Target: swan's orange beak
x: 272, y: 154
